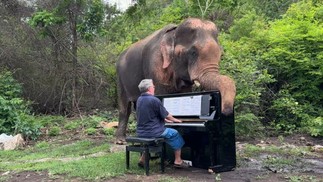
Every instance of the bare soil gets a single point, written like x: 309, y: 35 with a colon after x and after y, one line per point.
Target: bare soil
x: 306, y: 168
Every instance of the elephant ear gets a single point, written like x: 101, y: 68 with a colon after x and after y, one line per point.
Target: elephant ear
x: 167, y: 45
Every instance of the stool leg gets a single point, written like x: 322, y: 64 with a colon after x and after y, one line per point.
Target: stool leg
x: 127, y: 157
x: 147, y: 160
x: 162, y: 158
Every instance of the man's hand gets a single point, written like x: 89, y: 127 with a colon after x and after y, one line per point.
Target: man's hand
x: 171, y: 119
x: 168, y: 121
x: 177, y: 120
x: 174, y: 120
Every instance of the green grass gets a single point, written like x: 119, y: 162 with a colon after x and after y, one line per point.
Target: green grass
x: 74, y: 160
x: 42, y: 151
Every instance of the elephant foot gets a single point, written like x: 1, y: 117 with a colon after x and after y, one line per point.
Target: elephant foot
x: 121, y: 141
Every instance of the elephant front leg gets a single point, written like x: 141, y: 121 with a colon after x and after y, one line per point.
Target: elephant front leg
x: 124, y: 113
x: 226, y: 86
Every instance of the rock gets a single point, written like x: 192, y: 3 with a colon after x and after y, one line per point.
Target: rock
x: 104, y: 124
x: 9, y: 142
x: 302, y: 139
x: 317, y: 148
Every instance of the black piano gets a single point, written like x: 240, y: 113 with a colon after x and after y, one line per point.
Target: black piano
x: 209, y: 135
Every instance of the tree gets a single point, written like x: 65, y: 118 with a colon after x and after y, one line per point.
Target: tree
x: 83, y: 19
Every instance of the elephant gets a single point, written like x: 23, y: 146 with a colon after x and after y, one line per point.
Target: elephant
x: 175, y: 58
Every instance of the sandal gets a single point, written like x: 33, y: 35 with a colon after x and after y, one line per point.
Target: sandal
x: 182, y: 165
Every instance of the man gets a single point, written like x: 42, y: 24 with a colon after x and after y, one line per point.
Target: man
x: 151, y: 118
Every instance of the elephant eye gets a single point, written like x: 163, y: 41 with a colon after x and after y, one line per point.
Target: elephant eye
x: 193, y: 53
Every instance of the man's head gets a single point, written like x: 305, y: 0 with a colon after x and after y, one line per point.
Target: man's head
x: 146, y: 85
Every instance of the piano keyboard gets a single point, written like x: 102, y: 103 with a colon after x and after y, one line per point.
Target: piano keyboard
x: 186, y: 124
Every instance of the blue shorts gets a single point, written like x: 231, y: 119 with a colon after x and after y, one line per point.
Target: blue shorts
x: 173, y: 138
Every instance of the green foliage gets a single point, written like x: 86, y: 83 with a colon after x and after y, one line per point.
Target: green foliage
x: 42, y: 145
x: 88, y: 26
x: 14, y: 112
x: 315, y: 126
x: 294, y: 57
x: 83, y: 160
x: 109, y: 131
x: 45, y: 19
x: 244, y: 26
x: 90, y: 131
x: 240, y: 61
x: 201, y: 8
x: 71, y: 125
x: 93, y: 121
x: 272, y: 10
x: 28, y: 126
x: 91, y: 24
x: 48, y: 120
x: 132, y: 124
x: 278, y: 69
x: 289, y: 113
x: 277, y: 66
x: 246, y: 124
x: 174, y: 13
x: 54, y: 131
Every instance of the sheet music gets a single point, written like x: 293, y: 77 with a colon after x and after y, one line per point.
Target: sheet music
x: 183, y: 106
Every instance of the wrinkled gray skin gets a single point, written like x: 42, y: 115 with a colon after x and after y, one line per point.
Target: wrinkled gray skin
x: 174, y: 57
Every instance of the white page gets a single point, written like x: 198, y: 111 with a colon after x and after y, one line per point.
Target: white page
x: 183, y: 106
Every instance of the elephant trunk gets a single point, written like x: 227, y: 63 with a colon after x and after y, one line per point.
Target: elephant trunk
x: 222, y: 83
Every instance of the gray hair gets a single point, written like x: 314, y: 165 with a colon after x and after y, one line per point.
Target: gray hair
x: 145, y: 84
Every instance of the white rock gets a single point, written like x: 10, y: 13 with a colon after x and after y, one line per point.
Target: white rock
x: 10, y: 142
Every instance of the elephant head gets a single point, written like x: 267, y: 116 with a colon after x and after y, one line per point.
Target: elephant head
x: 191, y: 53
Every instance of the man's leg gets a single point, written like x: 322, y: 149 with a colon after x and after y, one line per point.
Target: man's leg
x: 178, y: 159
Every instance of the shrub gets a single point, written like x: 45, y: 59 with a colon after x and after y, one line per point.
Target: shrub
x: 294, y: 57
x: 109, y: 131
x: 54, y: 131
x: 15, y: 115
x: 315, y: 126
x: 71, y: 125
x: 90, y: 131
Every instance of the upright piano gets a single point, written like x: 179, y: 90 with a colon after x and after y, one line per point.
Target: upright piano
x: 209, y: 135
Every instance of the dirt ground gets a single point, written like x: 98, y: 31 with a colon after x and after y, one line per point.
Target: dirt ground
x: 247, y: 170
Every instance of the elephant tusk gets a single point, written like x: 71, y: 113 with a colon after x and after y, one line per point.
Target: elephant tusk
x: 197, y: 83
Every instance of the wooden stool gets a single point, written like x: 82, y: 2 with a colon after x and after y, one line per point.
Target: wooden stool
x: 146, y: 146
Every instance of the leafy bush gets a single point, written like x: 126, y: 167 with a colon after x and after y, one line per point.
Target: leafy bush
x: 278, y: 69
x: 240, y: 60
x: 294, y: 57
x: 315, y: 126
x: 11, y: 105
x: 90, y: 131
x: 71, y: 125
x: 109, y: 131
x: 28, y: 126
x: 54, y: 131
x: 48, y: 120
x: 15, y: 115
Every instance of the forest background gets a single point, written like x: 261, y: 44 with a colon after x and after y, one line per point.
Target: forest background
x: 57, y: 59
